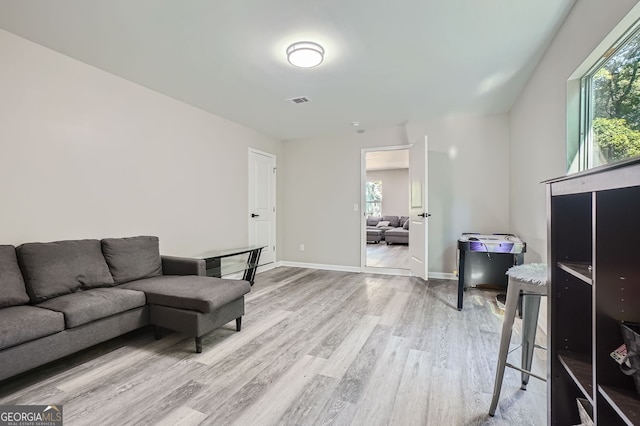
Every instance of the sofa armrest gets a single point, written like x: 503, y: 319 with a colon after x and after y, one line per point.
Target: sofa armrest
x: 172, y: 265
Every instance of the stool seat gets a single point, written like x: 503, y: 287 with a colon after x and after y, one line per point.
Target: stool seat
x: 530, y: 282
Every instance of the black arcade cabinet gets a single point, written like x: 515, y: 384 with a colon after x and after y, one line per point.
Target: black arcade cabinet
x: 484, y: 260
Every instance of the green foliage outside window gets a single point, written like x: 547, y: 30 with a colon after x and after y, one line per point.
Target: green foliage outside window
x: 615, y: 105
x: 374, y: 199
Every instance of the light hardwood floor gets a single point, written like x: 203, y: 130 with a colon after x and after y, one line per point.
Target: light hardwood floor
x: 316, y: 348
x: 381, y: 255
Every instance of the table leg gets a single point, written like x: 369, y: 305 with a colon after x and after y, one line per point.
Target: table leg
x: 461, y: 280
x: 252, y: 263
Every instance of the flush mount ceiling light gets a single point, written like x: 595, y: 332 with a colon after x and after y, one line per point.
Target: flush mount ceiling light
x: 305, y: 54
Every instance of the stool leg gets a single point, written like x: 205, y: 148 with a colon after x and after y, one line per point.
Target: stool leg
x: 513, y: 293
x: 530, y: 307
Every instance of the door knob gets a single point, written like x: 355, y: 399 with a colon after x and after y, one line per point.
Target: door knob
x: 424, y: 215
x: 255, y: 215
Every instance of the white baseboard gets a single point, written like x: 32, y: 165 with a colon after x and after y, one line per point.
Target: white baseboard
x: 443, y: 276
x: 386, y: 271
x: 267, y: 267
x: 368, y: 270
x: 320, y: 266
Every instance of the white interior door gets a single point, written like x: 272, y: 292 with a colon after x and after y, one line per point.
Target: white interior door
x: 418, y: 210
x: 262, y: 203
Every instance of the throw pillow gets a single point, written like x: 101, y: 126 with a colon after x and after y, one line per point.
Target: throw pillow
x: 382, y: 223
x: 406, y: 224
x: 12, y: 289
x: 133, y: 258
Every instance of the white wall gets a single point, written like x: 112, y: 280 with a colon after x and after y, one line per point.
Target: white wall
x: 321, y: 183
x: 86, y: 154
x: 395, y: 190
x: 537, y: 120
x: 468, y: 191
x: 468, y: 181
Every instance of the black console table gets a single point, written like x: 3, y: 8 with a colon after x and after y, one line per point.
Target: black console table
x: 214, y: 258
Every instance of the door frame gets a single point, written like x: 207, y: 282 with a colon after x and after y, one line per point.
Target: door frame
x: 363, y: 216
x: 274, y: 185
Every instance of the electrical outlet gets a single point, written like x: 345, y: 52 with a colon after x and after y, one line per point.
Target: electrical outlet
x: 301, y: 247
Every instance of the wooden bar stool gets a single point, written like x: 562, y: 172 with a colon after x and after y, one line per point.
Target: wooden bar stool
x: 530, y: 282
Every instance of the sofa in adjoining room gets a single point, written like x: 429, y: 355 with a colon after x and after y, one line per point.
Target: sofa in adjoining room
x: 378, y: 227
x: 398, y: 235
x: 61, y: 297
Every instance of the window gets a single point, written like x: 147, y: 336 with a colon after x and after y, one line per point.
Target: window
x: 374, y: 199
x: 610, y: 105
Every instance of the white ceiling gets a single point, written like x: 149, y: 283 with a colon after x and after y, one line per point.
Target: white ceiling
x: 386, y: 62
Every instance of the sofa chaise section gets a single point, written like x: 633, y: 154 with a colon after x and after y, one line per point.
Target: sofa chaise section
x: 193, y: 305
x: 190, y: 304
x: 398, y: 235
x: 378, y: 228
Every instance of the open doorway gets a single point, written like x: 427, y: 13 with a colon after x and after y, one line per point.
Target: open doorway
x: 386, y: 191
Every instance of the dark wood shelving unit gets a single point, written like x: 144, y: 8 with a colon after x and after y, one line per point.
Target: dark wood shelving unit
x: 624, y: 402
x: 580, y: 369
x: 594, y: 275
x: 581, y: 270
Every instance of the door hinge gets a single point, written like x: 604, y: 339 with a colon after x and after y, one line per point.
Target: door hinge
x: 274, y: 169
x: 274, y: 209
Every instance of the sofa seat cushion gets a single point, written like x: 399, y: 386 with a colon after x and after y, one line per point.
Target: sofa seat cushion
x: 12, y: 289
x: 91, y: 305
x: 397, y: 232
x: 62, y: 267
x: 20, y: 324
x: 192, y: 292
x: 132, y: 258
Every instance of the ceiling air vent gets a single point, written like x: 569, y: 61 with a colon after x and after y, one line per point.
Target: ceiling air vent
x: 299, y: 100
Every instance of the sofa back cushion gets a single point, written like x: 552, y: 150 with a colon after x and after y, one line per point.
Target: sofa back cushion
x: 62, y: 267
x: 133, y: 258
x: 402, y: 220
x: 373, y: 220
x: 393, y: 220
x: 12, y: 289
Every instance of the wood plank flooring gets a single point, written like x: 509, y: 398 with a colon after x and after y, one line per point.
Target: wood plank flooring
x: 382, y: 255
x: 316, y: 348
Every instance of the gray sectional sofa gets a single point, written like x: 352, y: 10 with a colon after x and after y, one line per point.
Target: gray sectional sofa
x: 396, y: 231
x: 61, y: 297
